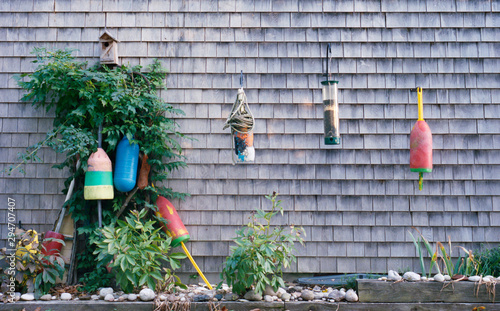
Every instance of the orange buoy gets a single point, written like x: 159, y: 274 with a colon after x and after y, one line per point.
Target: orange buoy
x: 142, y: 181
x: 174, y: 227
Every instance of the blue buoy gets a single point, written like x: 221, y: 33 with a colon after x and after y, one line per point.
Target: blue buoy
x: 127, y: 159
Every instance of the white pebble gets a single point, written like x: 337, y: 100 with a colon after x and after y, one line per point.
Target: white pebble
x: 109, y: 297
x: 351, y: 296
x: 104, y: 291
x: 393, y: 276
x: 27, y: 297
x: 66, y: 296
x: 132, y: 297
x: 439, y: 278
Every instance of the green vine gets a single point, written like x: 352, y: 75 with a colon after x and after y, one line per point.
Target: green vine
x: 125, y: 101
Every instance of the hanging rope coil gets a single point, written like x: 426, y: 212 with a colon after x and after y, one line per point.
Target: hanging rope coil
x: 241, y: 119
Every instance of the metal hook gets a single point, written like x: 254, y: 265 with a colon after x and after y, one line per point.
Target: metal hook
x: 241, y: 79
x: 328, y: 50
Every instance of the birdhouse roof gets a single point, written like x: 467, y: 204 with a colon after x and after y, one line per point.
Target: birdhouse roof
x: 106, y: 36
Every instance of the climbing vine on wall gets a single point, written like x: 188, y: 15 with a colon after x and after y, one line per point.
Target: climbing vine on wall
x: 126, y: 102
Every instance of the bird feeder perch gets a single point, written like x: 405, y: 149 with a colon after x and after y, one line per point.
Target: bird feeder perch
x: 330, y: 106
x: 109, y: 49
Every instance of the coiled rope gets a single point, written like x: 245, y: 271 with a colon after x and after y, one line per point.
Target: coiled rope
x: 240, y: 119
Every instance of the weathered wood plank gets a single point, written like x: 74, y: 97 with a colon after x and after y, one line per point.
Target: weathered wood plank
x: 380, y: 291
x: 346, y: 306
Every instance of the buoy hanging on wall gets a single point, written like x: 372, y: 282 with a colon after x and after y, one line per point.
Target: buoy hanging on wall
x: 174, y: 227
x: 99, y: 177
x: 330, y: 106
x: 143, y: 179
x: 127, y: 159
x: 242, y: 122
x: 420, y: 143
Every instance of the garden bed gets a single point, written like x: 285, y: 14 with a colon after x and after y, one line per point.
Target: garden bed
x: 412, y: 292
x: 246, y: 306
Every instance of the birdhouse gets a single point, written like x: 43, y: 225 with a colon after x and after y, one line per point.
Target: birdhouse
x: 109, y: 49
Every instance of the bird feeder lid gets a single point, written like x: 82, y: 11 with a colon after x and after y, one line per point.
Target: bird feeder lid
x: 106, y: 37
x: 329, y: 82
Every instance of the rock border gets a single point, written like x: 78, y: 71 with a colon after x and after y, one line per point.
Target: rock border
x: 245, y: 306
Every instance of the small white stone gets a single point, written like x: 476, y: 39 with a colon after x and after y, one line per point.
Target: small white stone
x: 104, y: 291
x: 280, y: 292
x: 411, y: 276
x: 94, y: 297
x: 337, y: 295
x: 268, y: 298
x: 351, y: 296
x: 132, y: 297
x: 487, y: 278
x: 183, y: 299
x: 28, y: 297
x: 447, y: 277
x: 439, y: 278
x: 47, y: 297
x: 393, y: 276
x: 66, y: 296
x: 424, y: 278
x: 474, y: 278
x: 285, y: 296
x: 147, y: 294
x: 307, y: 295
x: 109, y: 297
x: 163, y: 297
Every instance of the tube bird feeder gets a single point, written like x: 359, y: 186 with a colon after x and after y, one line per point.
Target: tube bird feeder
x: 420, y: 143
x: 330, y: 106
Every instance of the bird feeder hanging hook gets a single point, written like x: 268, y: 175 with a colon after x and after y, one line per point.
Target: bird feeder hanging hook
x: 328, y: 50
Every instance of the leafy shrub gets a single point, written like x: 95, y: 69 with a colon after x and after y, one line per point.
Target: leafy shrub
x: 126, y: 101
x: 95, y: 279
x: 261, y: 252
x: 35, y: 272
x: 136, y: 250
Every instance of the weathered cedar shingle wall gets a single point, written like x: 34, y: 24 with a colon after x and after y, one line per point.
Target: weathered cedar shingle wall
x: 356, y: 201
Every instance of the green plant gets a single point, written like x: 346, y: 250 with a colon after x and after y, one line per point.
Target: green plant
x: 95, y: 279
x: 261, y: 252
x: 488, y: 262
x: 137, y: 249
x: 448, y: 262
x: 35, y: 272
x: 468, y: 265
x: 125, y: 102
x: 418, y: 247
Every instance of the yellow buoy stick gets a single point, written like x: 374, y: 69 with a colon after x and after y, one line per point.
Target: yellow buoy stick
x: 420, y: 105
x: 195, y: 265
